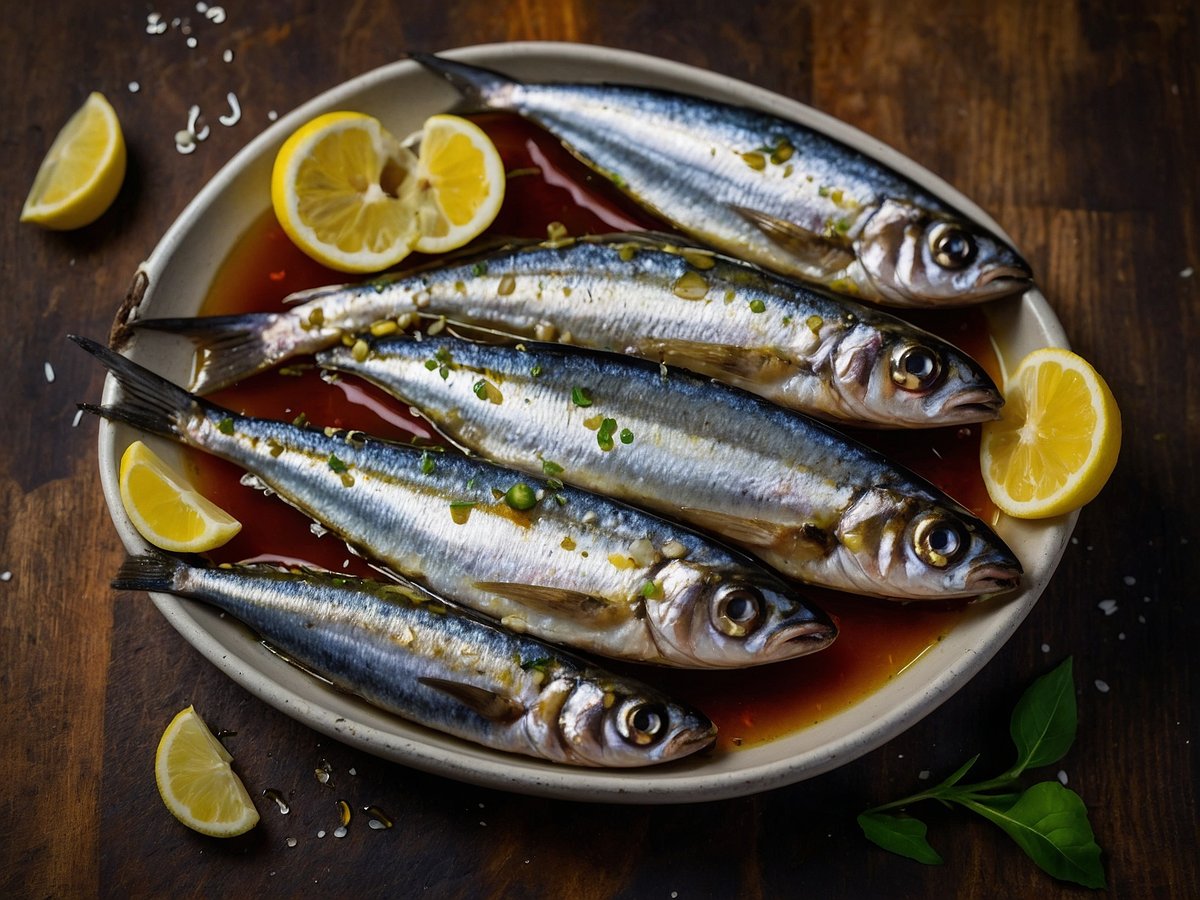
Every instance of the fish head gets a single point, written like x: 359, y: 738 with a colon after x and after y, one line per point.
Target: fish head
x: 710, y: 618
x: 899, y: 376
x: 915, y: 547
x: 913, y: 256
x: 619, y: 723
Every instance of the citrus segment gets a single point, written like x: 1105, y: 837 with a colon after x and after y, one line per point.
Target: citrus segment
x: 82, y: 171
x: 344, y: 192
x: 165, y: 508
x: 461, y: 178
x: 196, y: 781
x: 1058, y: 438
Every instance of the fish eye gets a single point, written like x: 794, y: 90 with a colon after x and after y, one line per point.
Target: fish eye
x: 737, y: 611
x: 952, y: 247
x: 915, y: 368
x: 642, y: 723
x: 938, y: 541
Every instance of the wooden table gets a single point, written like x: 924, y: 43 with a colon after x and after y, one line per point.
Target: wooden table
x: 1075, y: 125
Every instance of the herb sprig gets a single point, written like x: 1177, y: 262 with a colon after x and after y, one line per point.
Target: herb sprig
x: 1048, y: 821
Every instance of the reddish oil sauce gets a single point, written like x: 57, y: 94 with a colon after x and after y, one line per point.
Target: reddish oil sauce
x: 878, y: 639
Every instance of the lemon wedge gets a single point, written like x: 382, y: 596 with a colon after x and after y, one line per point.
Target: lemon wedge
x: 461, y: 181
x: 1057, y: 440
x: 196, y: 781
x: 82, y: 172
x: 344, y: 191
x: 165, y: 508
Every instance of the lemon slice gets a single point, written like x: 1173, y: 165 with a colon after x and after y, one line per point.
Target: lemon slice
x: 165, y: 508
x: 196, y: 781
x: 461, y: 178
x: 82, y: 172
x: 1057, y: 441
x: 344, y: 191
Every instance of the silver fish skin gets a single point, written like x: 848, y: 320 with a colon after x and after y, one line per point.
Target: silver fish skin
x: 645, y: 297
x: 408, y: 652
x: 574, y: 568
x: 765, y: 189
x: 797, y: 494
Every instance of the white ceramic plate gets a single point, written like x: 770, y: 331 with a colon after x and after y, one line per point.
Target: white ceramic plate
x: 402, y: 95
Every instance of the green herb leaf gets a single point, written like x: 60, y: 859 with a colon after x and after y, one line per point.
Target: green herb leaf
x: 336, y: 464
x: 521, y: 496
x: 536, y: 665
x: 225, y: 426
x: 1050, y: 824
x: 1044, y: 720
x: 957, y: 776
x: 626, y: 436
x: 551, y: 468
x: 604, y: 434
x: 904, y: 836
x: 757, y: 306
x: 580, y: 397
x: 427, y: 463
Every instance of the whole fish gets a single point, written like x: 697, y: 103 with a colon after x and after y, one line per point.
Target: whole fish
x: 642, y: 296
x: 763, y: 188
x: 561, y: 564
x: 797, y: 494
x: 413, y: 655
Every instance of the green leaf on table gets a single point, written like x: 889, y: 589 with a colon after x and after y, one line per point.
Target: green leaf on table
x: 957, y: 776
x: 1050, y: 824
x: 904, y: 836
x: 1043, y: 723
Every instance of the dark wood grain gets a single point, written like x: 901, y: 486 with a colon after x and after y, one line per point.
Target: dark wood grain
x: 1074, y: 124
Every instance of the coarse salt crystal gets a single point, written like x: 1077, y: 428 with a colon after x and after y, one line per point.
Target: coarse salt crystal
x: 227, y: 56
x: 1109, y: 606
x: 1045, y: 648
x: 1101, y: 686
x: 1187, y: 273
x: 6, y: 575
x: 1120, y: 636
x: 134, y: 87
x: 191, y: 43
x: 291, y: 842
x: 1062, y: 777
x: 1129, y: 580
x: 272, y: 115
x: 77, y: 419
x: 1141, y: 620
x: 923, y: 775
x: 215, y: 14
x: 321, y: 833
x: 49, y: 370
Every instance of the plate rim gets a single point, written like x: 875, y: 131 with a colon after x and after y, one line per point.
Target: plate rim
x: 431, y: 752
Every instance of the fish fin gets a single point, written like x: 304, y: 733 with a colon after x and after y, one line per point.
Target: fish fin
x: 228, y: 348
x: 804, y: 541
x: 148, y: 401
x: 820, y: 254
x: 148, y: 572
x: 714, y: 359
x: 480, y: 88
x: 552, y: 599
x: 487, y: 703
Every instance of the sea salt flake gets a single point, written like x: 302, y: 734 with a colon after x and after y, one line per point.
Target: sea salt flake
x: 321, y: 833
x: 134, y: 87
x: 291, y: 842
x: 191, y: 42
x: 1142, y: 620
x: 1062, y: 777
x: 6, y: 575
x: 1101, y: 686
x: 923, y: 775
x: 78, y: 417
x: 1187, y: 273
x: 1129, y: 580
x: 49, y: 371
x: 1045, y: 648
x: 272, y: 115
x: 215, y: 14
x: 1108, y: 606
x: 1120, y: 636
x: 340, y: 831
x: 227, y: 56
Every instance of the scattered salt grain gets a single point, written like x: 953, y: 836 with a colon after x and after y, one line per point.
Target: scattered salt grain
x: 1120, y: 636
x: 272, y: 115
x: 1102, y: 686
x: 923, y: 775
x: 1145, y: 599
x: 78, y: 417
x: 1075, y: 541
x: 1108, y: 606
x: 1141, y: 620
x: 201, y: 7
x: 155, y: 24
x: 134, y: 87
x: 353, y: 771
x: 215, y: 14
x: 321, y: 833
x: 49, y: 370
x: 340, y: 831
x: 291, y: 842
x: 235, y: 116
x: 191, y: 43
x: 1187, y: 273
x: 482, y: 824
x: 1129, y: 580
x: 1062, y: 777
x: 1045, y: 648
x: 317, y: 529
x: 6, y: 575
x: 227, y: 56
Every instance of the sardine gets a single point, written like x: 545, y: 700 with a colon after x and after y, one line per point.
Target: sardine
x: 797, y: 494
x: 413, y: 655
x: 562, y: 564
x: 765, y: 189
x: 642, y: 296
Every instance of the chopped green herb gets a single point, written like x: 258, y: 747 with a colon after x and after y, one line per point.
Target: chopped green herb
x: 535, y: 665
x: 336, y: 464
x: 580, y: 397
x: 549, y: 467
x: 521, y: 496
x: 463, y: 504
x: 604, y: 434
x: 431, y: 364
x: 626, y: 436
x: 554, y: 484
x: 473, y: 482
x: 757, y: 306
x: 651, y: 591
x: 479, y: 269
x: 480, y: 389
x: 301, y: 420
x: 427, y: 463
x: 225, y: 426
x: 822, y: 191
x: 536, y: 370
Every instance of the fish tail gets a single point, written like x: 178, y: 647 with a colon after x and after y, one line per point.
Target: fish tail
x: 149, y: 572
x: 149, y: 401
x: 480, y: 88
x: 230, y: 348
